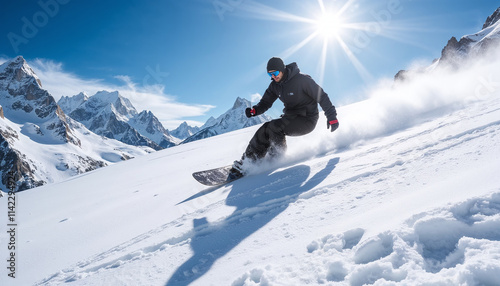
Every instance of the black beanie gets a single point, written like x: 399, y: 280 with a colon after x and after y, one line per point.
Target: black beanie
x: 275, y: 64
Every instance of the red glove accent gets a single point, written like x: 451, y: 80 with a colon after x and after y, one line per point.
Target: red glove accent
x: 249, y: 112
x: 334, y: 124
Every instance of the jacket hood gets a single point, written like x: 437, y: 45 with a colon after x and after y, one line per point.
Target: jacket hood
x: 291, y: 71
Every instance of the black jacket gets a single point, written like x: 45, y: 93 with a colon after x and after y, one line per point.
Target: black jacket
x: 299, y: 93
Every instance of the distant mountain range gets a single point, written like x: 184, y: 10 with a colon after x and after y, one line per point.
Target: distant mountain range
x: 38, y: 142
x: 111, y: 115
x: 42, y: 141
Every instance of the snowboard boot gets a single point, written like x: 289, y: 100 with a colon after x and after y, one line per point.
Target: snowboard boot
x: 237, y: 170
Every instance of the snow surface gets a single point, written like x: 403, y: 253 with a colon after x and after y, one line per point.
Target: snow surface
x: 405, y: 192
x: 491, y: 31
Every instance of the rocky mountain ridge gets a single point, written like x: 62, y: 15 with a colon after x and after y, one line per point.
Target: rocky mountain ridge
x: 456, y: 52
x: 111, y: 115
x: 39, y: 144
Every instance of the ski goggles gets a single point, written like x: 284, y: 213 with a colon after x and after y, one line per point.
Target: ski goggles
x: 275, y: 73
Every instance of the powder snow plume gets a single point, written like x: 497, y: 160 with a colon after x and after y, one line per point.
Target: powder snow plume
x: 393, y: 106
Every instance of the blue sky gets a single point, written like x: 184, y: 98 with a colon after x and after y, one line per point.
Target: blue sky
x: 189, y: 60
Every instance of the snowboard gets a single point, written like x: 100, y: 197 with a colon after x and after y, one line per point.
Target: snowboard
x: 215, y: 177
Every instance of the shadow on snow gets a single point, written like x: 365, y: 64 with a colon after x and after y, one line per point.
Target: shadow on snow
x: 257, y: 202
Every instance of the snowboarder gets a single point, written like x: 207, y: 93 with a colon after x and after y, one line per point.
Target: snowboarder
x: 300, y: 95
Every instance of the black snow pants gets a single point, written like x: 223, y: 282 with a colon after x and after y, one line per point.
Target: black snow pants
x: 270, y: 137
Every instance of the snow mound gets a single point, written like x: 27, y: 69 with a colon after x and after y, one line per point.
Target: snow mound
x: 459, y: 244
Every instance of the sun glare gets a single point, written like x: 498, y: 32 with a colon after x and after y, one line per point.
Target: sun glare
x: 328, y: 25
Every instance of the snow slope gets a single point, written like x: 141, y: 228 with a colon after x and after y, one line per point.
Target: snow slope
x: 406, y: 192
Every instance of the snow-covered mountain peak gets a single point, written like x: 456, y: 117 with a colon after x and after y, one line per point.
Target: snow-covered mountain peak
x: 39, y: 143
x: 22, y: 95
x: 469, y: 47
x: 150, y: 126
x: 17, y: 73
x: 184, y: 131
x: 183, y: 125
x: 210, y: 122
x: 106, y: 96
x: 144, y: 115
x: 82, y: 96
x: 492, y: 19
x: 18, y: 63
x: 113, y: 99
x: 490, y: 31
x: 110, y: 102
x: 112, y: 115
x: 148, y: 121
x: 70, y: 103
x: 241, y: 102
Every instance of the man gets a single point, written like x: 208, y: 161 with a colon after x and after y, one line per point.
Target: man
x: 300, y: 96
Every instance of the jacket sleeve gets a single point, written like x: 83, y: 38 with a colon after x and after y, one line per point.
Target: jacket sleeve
x: 266, y: 101
x: 321, y: 97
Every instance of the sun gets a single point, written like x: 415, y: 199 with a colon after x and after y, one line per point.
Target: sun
x: 328, y: 25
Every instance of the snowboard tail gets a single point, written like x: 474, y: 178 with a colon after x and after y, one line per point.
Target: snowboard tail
x: 216, y: 177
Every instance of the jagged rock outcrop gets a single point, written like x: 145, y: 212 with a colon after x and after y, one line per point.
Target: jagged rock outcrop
x: 469, y: 47
x: 111, y: 115
x: 23, y: 97
x: 492, y: 19
x: 148, y: 125
x: 39, y: 144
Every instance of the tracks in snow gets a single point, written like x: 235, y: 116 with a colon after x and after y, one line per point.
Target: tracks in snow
x: 272, y: 193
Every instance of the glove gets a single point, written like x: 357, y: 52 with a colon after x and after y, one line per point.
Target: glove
x: 249, y: 112
x: 334, y: 124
